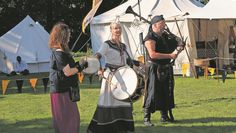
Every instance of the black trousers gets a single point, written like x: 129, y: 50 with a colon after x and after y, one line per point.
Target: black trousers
x: 19, y: 83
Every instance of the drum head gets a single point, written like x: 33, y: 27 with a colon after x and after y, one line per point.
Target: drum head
x: 124, y: 83
x: 93, y: 65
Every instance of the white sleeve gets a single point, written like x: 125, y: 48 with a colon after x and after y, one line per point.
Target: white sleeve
x: 25, y: 65
x: 103, y: 49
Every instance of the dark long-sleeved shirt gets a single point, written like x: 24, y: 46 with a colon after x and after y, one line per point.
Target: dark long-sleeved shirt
x: 58, y: 81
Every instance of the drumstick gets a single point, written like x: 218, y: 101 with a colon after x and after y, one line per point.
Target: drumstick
x: 108, y: 81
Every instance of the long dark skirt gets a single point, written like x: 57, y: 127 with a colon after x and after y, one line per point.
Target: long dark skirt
x: 111, y: 115
x: 65, y: 114
x: 160, y: 91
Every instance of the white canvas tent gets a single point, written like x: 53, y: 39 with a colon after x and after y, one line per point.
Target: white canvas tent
x: 214, y: 22
x: 216, y: 9
x: 29, y: 40
x: 196, y: 2
x: 131, y: 26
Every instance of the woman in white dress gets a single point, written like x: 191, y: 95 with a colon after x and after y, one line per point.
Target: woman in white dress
x: 111, y: 115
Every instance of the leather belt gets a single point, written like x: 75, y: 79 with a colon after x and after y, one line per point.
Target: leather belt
x: 161, y: 65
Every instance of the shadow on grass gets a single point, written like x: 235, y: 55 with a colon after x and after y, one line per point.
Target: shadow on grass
x: 209, y: 119
x: 30, y: 126
x: 214, y: 100
x: 215, y: 77
x: 201, y: 125
x: 199, y: 102
x: 185, y: 129
x: 27, y: 126
x: 181, y: 126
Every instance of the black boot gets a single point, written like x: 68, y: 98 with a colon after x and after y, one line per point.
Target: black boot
x: 164, y: 116
x: 147, y: 115
x: 172, y: 119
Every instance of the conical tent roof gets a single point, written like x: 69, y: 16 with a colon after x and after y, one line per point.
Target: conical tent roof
x: 216, y: 9
x: 28, y: 40
x: 132, y: 27
x: 189, y: 6
x: 167, y: 8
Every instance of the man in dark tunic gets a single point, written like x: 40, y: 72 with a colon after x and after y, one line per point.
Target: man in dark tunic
x: 161, y: 49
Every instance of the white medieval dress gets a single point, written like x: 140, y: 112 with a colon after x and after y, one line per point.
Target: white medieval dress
x: 111, y: 115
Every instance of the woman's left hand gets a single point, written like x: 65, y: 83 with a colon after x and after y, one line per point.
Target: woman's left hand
x: 67, y: 70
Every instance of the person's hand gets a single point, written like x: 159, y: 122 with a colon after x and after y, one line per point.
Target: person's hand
x: 84, y: 64
x: 77, y: 63
x: 174, y: 54
x: 180, y: 48
x: 66, y: 70
x: 100, y: 72
x: 136, y: 63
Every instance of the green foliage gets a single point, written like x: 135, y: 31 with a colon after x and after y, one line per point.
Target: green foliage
x: 79, y: 53
x: 202, y: 106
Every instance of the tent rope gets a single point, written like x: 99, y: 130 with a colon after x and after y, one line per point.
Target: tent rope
x: 208, y: 43
x: 76, y: 41
x: 84, y: 44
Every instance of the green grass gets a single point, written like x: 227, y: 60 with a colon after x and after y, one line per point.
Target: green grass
x: 202, y: 106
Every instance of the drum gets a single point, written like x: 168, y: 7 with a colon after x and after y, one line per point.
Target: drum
x: 126, y: 85
x: 93, y: 65
x: 141, y: 70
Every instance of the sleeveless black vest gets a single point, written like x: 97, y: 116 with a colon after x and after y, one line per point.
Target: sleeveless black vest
x: 164, y: 44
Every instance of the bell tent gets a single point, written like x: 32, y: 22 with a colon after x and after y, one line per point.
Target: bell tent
x: 29, y: 40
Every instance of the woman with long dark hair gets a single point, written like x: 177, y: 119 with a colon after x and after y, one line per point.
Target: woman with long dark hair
x: 63, y: 75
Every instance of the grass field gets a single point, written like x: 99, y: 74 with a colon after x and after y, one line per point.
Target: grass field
x: 202, y: 106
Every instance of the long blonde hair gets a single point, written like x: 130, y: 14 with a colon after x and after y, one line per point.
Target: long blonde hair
x: 60, y: 37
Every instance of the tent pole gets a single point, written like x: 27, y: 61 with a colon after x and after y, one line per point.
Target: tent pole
x: 143, y: 51
x: 76, y: 41
x: 84, y: 44
x: 139, y: 9
x: 182, y: 39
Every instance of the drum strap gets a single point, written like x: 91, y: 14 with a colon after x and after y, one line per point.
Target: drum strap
x: 162, y: 65
x: 122, y: 49
x: 114, y: 46
x: 112, y: 67
x: 117, y: 48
